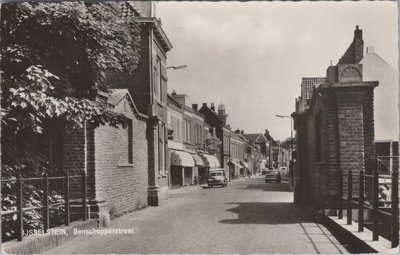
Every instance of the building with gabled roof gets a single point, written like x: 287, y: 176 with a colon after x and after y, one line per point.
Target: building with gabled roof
x: 335, y: 134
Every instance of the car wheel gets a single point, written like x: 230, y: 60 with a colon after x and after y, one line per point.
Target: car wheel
x: 209, y: 186
x: 212, y: 186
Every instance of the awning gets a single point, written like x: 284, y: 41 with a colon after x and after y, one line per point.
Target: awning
x: 210, y: 161
x: 232, y: 163
x: 245, y: 164
x: 181, y: 158
x: 198, y: 161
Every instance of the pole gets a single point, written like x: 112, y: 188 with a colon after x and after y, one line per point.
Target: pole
x: 20, y: 214
x: 67, y: 209
x: 340, y: 196
x: 375, y: 215
x: 84, y: 195
x: 46, y: 203
x: 361, y: 202
x: 349, y: 197
x: 291, y: 154
x: 395, y: 208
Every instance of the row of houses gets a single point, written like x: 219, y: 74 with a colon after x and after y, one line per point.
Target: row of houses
x: 199, y: 139
x: 165, y: 144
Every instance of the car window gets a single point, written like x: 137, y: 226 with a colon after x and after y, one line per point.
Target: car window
x: 219, y: 174
x: 213, y: 174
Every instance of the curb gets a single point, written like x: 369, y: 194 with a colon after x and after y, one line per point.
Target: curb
x: 360, y: 241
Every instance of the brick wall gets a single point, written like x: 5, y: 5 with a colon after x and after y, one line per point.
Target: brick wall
x: 369, y: 134
x: 109, y: 175
x: 74, y: 158
x: 351, y: 136
x: 346, y: 138
x: 122, y: 184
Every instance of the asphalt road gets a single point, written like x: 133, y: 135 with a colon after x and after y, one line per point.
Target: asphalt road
x: 248, y: 216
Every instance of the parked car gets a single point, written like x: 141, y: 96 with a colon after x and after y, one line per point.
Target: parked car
x: 283, y: 170
x: 264, y: 171
x: 273, y: 175
x: 217, y: 177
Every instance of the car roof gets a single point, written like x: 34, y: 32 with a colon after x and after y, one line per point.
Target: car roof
x: 217, y: 169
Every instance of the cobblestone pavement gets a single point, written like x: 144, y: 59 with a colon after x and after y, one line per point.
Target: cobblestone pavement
x: 248, y: 216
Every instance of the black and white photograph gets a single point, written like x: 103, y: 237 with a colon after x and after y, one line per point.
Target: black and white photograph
x: 199, y: 127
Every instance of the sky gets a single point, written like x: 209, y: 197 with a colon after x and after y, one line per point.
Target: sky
x: 252, y: 55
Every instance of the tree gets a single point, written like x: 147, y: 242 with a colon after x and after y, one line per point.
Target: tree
x: 54, y: 59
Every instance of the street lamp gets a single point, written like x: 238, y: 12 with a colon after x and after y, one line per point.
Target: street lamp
x: 177, y: 67
x: 291, y: 141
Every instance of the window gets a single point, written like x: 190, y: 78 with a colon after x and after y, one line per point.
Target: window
x: 184, y: 130
x: 179, y: 130
x: 189, y: 133
x: 157, y: 79
x: 318, y: 140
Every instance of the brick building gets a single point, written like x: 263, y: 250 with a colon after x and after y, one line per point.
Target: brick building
x: 236, y: 153
x: 232, y: 146
x: 189, y: 157
x: 272, y: 151
x: 148, y: 87
x: 257, y: 148
x: 115, y: 159
x: 336, y: 133
x: 307, y: 87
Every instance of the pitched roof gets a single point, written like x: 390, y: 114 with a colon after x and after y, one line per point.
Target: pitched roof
x: 114, y: 96
x: 210, y: 116
x: 258, y: 138
x: 251, y: 137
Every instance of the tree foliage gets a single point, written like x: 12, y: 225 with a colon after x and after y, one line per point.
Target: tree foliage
x: 55, y: 57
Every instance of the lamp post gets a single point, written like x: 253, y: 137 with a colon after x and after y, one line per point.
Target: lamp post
x: 291, y: 141
x: 176, y: 67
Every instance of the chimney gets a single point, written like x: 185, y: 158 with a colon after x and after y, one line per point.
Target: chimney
x: 194, y: 107
x: 358, y: 44
x: 370, y: 49
x: 212, y: 131
x: 358, y: 33
x: 173, y: 93
x: 237, y: 131
x: 205, y: 104
x: 242, y: 132
x: 212, y: 107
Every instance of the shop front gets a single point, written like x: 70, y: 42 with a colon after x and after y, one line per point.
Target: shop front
x: 234, y: 169
x: 182, y: 168
x: 199, y: 169
x: 210, y: 162
x: 245, y: 169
